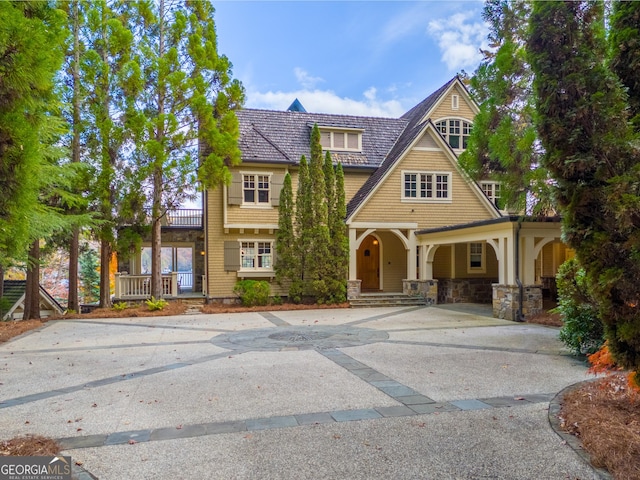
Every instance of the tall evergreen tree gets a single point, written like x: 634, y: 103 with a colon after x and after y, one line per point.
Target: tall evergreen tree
x: 318, y: 269
x: 104, y: 73
x: 339, y: 239
x: 624, y: 46
x: 186, y: 103
x: 89, y: 275
x: 503, y: 143
x: 30, y: 62
x: 286, y: 257
x: 74, y: 93
x: 592, y: 156
x: 303, y: 228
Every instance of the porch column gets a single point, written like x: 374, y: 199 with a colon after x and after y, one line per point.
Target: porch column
x: 412, y: 252
x: 118, y: 286
x: 353, y: 264
x: 527, y: 261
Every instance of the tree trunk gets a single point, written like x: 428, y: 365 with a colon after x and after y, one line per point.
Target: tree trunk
x: 105, y: 281
x: 1, y: 281
x: 72, y: 299
x: 32, y: 293
x: 156, y: 209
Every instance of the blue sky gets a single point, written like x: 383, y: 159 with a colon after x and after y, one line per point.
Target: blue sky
x: 354, y: 57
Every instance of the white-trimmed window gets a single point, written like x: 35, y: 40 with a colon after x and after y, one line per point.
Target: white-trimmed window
x: 426, y: 186
x: 255, y: 189
x: 455, y: 102
x: 492, y: 191
x: 476, y: 257
x: 455, y: 131
x: 256, y: 255
x: 341, y: 140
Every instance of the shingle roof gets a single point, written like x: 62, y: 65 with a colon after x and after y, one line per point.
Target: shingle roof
x: 13, y: 290
x: 414, y: 126
x: 271, y: 136
x: 283, y: 137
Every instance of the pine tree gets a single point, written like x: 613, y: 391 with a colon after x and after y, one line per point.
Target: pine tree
x: 186, y: 107
x: 593, y: 156
x: 503, y: 143
x: 286, y: 257
x: 104, y: 74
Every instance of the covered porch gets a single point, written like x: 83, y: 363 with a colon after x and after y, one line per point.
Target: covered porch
x: 513, y: 259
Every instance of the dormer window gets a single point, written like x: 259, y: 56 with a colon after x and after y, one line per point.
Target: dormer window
x: 492, y: 191
x: 456, y: 132
x: 341, y: 140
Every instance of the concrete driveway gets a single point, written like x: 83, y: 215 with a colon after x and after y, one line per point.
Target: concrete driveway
x: 420, y: 392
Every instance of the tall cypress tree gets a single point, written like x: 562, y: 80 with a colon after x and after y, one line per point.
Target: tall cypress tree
x: 303, y: 230
x: 318, y: 268
x: 591, y: 154
x: 286, y: 257
x: 339, y: 239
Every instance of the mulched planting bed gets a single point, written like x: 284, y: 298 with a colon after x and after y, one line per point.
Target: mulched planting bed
x: 29, y: 446
x: 605, y: 416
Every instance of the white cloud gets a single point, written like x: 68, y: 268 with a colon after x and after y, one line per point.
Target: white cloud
x: 460, y: 40
x: 326, y: 101
x: 305, y: 79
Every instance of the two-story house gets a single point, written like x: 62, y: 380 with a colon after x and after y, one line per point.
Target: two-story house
x: 417, y: 223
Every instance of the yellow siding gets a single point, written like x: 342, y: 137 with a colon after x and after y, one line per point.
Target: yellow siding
x: 386, y: 205
x: 352, y: 183
x: 241, y: 215
x: 444, y: 110
x: 442, y: 262
x: 220, y: 282
x: 491, y: 263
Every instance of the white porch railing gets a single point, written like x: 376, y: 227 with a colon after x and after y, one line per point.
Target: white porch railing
x: 139, y: 286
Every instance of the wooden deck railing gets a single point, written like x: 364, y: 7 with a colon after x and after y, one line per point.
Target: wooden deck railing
x: 139, y: 286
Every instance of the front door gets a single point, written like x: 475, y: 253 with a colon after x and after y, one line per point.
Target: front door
x: 369, y: 263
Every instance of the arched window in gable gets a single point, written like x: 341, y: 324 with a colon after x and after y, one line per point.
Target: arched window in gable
x: 455, y: 131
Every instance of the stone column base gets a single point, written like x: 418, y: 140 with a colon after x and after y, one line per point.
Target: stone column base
x: 428, y: 289
x: 506, y: 301
x: 354, y: 288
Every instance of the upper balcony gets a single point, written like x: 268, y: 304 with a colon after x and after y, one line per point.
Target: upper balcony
x: 183, y: 218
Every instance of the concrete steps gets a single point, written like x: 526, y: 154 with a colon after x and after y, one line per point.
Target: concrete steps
x: 386, y: 300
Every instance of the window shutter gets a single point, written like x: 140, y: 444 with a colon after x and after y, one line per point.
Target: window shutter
x: 231, y: 256
x: 234, y: 192
x: 277, y: 181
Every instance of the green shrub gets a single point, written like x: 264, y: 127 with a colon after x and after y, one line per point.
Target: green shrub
x: 252, y: 292
x: 120, y: 306
x: 158, y: 304
x: 582, y: 331
x: 276, y: 300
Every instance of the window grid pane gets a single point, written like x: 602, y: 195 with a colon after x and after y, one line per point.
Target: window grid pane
x: 442, y: 186
x: 410, y: 184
